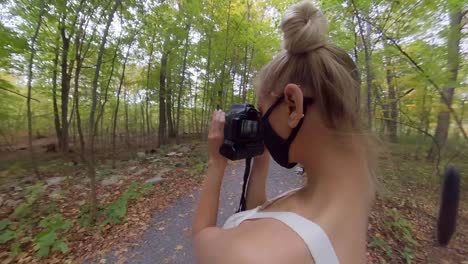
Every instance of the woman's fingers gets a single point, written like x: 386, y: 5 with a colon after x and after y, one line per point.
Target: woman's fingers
x: 217, y: 124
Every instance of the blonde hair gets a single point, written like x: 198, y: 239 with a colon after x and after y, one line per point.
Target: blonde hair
x: 324, y: 71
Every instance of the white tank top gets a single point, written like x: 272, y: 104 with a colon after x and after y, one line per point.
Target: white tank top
x: 314, y: 237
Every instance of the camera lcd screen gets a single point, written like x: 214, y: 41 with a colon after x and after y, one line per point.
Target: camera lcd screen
x: 249, y: 129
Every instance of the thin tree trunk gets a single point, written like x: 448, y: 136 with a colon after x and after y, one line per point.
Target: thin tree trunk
x: 222, y: 92
x: 91, y: 160
x: 204, y: 117
x: 149, y: 88
x: 65, y: 85
x: 453, y: 63
x: 366, y: 42
x: 79, y: 63
x: 106, y: 93
x: 369, y: 74
x: 29, y: 85
x: 422, y: 124
x: 392, y: 105
x: 169, y: 105
x: 116, y: 111
x: 182, y: 79
x: 162, y: 97
x: 58, y: 129
x: 127, y: 129
x: 197, y: 130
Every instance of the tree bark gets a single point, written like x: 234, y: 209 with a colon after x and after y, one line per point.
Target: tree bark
x: 127, y: 129
x: 162, y: 98
x: 149, y: 88
x: 58, y: 129
x: 182, y: 79
x: 65, y: 84
x: 453, y: 63
x: 369, y: 75
x: 204, y: 117
x: 366, y: 42
x: 106, y: 92
x: 392, y: 105
x: 79, y: 57
x: 29, y: 85
x: 222, y: 92
x: 116, y: 111
x: 92, y: 115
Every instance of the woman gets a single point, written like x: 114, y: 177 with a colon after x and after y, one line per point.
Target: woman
x: 308, y: 96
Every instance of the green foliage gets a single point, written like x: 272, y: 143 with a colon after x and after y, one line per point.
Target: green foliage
x: 47, y: 240
x: 401, y: 226
x: 7, y: 235
x: 198, y: 168
x: 381, y: 244
x: 116, y: 211
x: 25, y: 209
x: 408, y: 255
x: 4, y: 223
x: 21, y: 227
x: 84, y: 217
x: 103, y: 173
x: 401, y: 230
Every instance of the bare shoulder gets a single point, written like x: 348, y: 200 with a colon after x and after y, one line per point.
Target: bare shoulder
x: 258, y: 241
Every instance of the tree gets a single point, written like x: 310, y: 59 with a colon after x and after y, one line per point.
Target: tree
x: 453, y: 64
x: 92, y: 124
x: 29, y: 85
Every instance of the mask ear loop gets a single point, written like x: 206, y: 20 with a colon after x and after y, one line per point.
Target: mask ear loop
x: 294, y: 132
x: 272, y: 107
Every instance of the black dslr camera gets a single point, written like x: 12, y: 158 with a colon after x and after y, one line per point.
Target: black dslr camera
x: 243, y: 133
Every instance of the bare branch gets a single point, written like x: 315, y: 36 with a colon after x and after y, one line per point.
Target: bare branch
x: 18, y: 94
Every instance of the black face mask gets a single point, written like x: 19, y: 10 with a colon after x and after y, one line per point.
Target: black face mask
x: 276, y: 145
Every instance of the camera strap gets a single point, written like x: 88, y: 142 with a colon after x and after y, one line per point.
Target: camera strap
x: 243, y: 199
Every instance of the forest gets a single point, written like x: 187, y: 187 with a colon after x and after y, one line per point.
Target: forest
x: 97, y: 96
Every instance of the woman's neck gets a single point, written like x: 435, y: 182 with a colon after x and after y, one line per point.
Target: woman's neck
x: 338, y: 177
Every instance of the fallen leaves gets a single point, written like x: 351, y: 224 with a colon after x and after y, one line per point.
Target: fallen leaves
x: 93, y: 244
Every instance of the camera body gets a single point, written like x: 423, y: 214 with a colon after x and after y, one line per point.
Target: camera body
x: 243, y: 133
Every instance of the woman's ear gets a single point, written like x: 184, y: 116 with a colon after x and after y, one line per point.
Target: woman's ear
x: 294, y: 97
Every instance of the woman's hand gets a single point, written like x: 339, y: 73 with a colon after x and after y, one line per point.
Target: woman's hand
x: 216, y: 138
x: 206, y: 214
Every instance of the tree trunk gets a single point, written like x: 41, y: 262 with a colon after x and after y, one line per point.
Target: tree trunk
x: 106, y: 93
x: 149, y: 87
x: 222, y: 92
x: 79, y: 63
x: 453, y: 63
x: 116, y: 111
x: 29, y: 85
x: 127, y: 129
x: 58, y: 129
x: 91, y: 160
x: 392, y: 105
x: 162, y: 98
x: 369, y: 75
x: 169, y: 105
x: 204, y: 117
x: 65, y: 84
x: 182, y: 79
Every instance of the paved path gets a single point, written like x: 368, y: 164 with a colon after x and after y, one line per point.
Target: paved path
x: 167, y: 238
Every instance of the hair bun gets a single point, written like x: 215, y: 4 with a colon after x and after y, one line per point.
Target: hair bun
x: 304, y: 28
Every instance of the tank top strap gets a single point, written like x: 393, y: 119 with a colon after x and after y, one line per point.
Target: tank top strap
x: 312, y: 234
x: 267, y: 203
